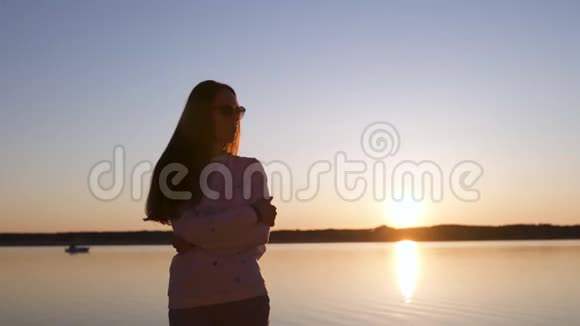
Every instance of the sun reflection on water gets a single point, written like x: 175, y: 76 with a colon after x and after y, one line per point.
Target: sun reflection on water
x: 407, y: 267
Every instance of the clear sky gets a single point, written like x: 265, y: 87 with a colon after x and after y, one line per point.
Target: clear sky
x: 495, y: 82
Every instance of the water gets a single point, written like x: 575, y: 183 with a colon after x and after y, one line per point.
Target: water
x: 406, y: 283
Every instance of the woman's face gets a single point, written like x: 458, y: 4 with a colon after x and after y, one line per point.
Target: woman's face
x: 225, y: 124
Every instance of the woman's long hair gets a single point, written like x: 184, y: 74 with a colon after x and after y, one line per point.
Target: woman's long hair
x: 190, y: 146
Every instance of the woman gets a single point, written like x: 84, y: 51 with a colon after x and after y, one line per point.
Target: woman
x: 219, y: 208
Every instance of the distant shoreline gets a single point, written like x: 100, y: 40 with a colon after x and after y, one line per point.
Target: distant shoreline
x: 379, y: 234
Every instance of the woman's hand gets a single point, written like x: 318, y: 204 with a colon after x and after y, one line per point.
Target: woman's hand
x: 180, y: 244
x: 266, y: 211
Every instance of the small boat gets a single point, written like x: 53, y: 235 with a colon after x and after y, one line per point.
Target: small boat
x: 74, y: 249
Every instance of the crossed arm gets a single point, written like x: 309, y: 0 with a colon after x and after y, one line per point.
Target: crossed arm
x: 233, y: 228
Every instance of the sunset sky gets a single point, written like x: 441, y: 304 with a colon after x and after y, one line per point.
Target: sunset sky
x: 495, y: 82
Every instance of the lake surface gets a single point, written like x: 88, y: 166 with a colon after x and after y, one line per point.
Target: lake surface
x: 405, y: 283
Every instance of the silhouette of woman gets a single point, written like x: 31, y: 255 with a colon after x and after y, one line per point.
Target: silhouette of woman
x: 219, y: 207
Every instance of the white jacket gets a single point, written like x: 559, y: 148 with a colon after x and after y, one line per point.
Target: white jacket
x: 223, y: 265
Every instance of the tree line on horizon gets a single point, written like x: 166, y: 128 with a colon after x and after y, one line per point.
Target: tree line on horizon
x: 378, y: 234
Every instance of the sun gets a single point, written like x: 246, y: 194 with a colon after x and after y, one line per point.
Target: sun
x: 405, y: 213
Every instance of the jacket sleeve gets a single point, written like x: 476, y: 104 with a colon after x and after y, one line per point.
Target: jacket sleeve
x: 231, y: 228
x: 206, y: 228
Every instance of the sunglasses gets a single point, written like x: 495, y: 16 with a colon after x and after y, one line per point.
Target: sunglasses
x: 230, y: 110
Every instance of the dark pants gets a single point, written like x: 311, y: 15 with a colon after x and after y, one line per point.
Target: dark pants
x: 248, y: 312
